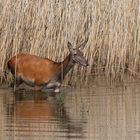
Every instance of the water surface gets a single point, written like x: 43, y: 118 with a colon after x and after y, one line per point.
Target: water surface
x: 95, y: 112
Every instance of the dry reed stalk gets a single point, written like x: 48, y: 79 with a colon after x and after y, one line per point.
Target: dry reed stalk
x: 44, y: 27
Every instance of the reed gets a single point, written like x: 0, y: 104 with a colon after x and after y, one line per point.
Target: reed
x: 43, y: 27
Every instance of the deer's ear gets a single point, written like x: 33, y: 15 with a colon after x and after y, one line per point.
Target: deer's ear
x: 72, y: 49
x: 70, y: 46
x: 82, y: 46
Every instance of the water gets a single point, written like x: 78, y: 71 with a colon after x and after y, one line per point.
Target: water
x: 95, y: 112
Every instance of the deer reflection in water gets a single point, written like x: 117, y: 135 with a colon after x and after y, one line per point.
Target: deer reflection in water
x: 48, y: 109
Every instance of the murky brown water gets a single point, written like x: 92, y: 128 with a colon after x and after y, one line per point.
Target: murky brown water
x: 98, y: 112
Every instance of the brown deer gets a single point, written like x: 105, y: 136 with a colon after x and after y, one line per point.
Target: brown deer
x: 42, y: 72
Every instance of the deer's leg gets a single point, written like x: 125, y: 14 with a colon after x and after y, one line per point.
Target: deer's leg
x: 54, y: 85
x: 16, y: 82
x: 57, y: 90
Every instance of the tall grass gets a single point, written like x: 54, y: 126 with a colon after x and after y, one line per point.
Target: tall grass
x: 43, y: 27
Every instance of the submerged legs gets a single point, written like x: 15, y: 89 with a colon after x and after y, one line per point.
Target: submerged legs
x: 54, y: 85
x: 16, y: 82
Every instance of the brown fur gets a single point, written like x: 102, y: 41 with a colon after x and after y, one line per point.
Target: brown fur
x: 34, y: 68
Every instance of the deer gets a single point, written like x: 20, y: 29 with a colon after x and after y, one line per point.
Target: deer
x: 43, y: 73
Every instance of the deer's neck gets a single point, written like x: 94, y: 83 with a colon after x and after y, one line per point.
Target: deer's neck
x: 67, y: 64
x: 64, y: 67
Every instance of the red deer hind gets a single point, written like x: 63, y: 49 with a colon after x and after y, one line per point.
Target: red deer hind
x: 42, y: 72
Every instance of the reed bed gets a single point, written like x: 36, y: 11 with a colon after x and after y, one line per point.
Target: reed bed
x: 43, y: 27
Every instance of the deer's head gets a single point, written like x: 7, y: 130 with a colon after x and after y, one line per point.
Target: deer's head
x: 77, y: 54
